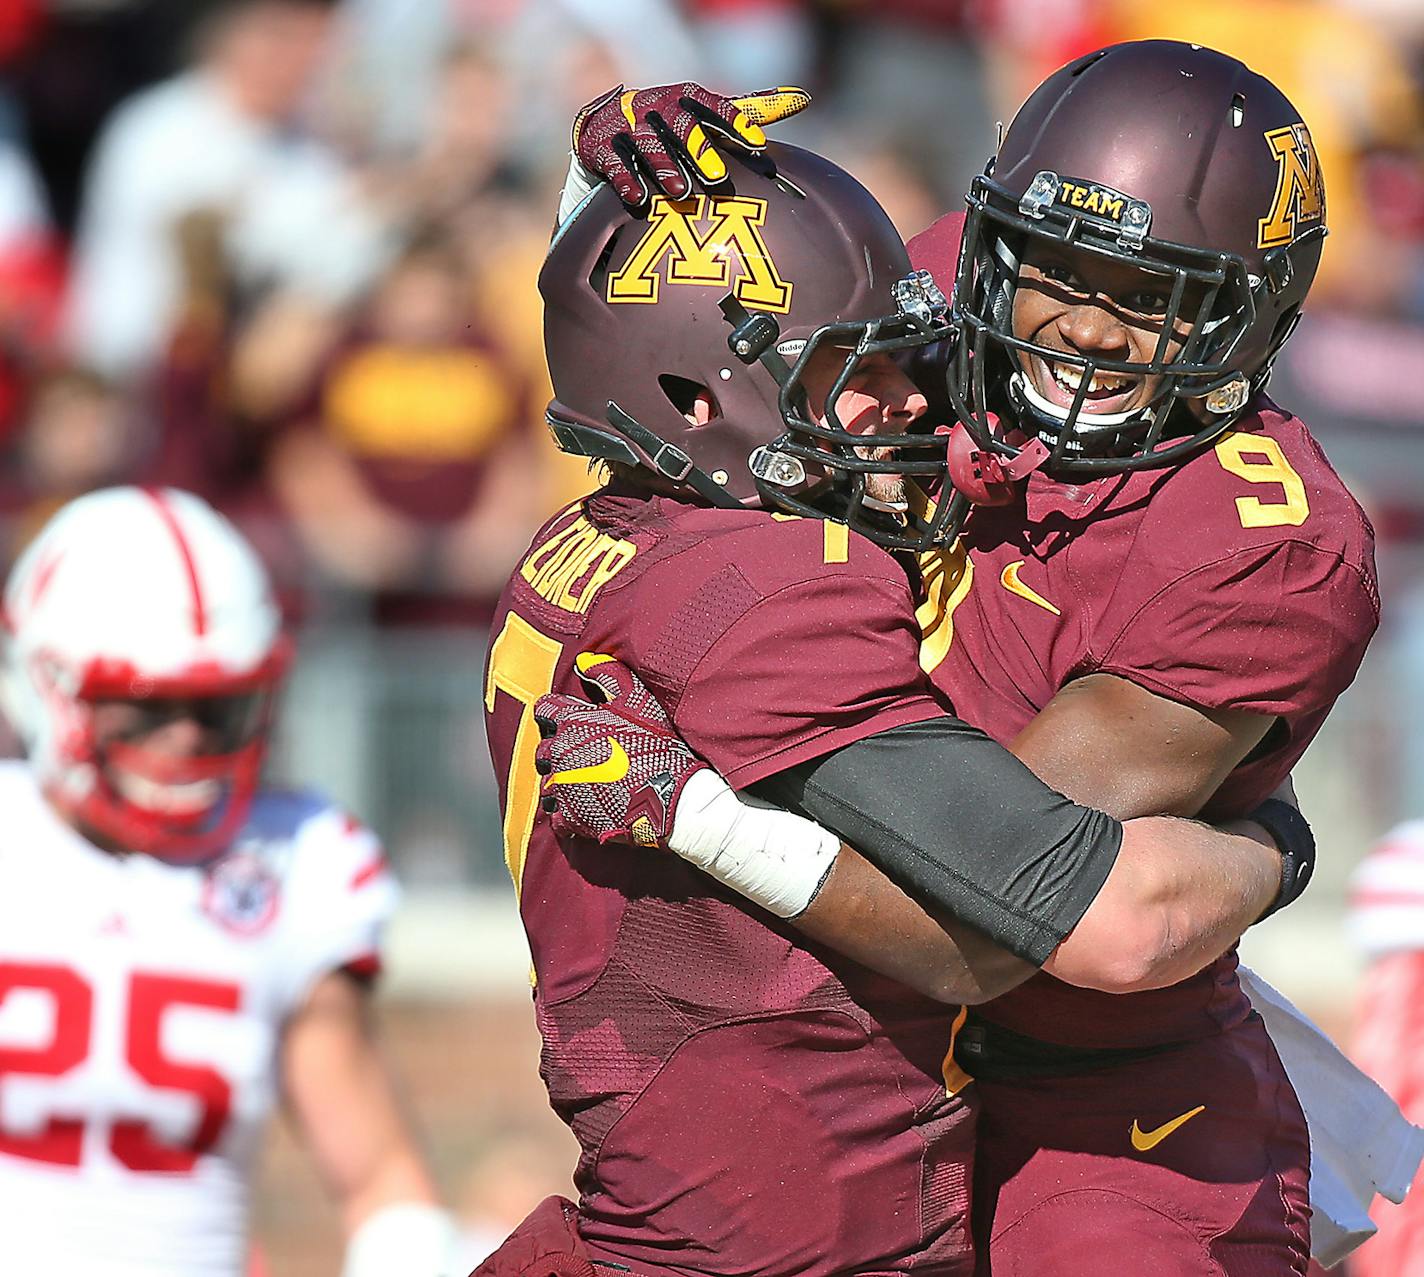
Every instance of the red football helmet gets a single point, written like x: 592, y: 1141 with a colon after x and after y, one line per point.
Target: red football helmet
x: 139, y: 605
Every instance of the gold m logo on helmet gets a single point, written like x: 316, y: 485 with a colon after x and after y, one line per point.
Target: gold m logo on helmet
x: 1300, y: 186
x: 704, y: 257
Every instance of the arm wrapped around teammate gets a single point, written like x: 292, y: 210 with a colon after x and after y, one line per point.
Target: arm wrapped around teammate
x: 984, y: 841
x: 617, y: 771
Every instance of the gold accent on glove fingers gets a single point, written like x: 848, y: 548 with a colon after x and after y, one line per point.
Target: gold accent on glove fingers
x: 626, y: 103
x: 766, y: 107
x: 704, y: 155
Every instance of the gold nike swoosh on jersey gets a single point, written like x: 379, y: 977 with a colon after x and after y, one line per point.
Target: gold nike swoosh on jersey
x: 1009, y: 579
x: 1142, y: 1140
x: 608, y: 772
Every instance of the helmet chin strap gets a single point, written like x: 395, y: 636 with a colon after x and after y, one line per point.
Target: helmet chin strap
x: 668, y: 460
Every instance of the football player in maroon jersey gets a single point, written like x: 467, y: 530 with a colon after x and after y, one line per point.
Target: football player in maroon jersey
x: 747, y: 1101
x: 1162, y: 594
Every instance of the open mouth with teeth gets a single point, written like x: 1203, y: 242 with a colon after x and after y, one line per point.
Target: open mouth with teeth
x: 185, y: 800
x: 1108, y: 392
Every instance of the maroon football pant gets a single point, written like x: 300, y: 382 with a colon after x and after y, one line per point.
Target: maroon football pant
x: 1191, y: 1163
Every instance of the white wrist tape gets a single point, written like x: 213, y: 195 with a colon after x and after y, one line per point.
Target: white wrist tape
x: 414, y: 1239
x: 772, y: 857
x: 579, y: 184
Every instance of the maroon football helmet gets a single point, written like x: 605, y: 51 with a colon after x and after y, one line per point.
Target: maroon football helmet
x: 722, y: 299
x: 1176, y: 160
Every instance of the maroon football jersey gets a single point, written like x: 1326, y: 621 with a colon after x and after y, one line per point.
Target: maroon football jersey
x: 1243, y: 578
x: 744, y: 1103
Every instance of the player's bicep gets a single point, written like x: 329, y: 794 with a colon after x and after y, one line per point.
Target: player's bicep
x: 1107, y: 742
x: 962, y: 825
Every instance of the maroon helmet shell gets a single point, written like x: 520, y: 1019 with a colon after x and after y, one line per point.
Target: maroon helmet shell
x: 725, y: 295
x: 1180, y: 160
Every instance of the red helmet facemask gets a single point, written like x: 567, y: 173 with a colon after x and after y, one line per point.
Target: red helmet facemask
x: 133, y: 804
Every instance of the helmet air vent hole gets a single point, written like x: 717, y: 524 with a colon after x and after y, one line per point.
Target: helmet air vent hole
x: 1238, y: 110
x: 691, y: 398
x: 1285, y: 325
x: 598, y: 276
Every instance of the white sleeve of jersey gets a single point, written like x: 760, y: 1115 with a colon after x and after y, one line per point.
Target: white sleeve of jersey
x: 339, y: 895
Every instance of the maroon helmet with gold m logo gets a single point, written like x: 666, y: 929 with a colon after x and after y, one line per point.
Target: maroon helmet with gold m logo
x: 1184, y: 172
x: 721, y: 300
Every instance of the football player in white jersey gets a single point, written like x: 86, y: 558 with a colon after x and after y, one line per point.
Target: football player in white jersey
x: 178, y: 946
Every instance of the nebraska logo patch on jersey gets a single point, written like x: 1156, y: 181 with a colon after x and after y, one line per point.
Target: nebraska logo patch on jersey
x: 241, y: 893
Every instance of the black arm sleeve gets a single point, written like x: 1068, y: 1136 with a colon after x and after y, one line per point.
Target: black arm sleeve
x: 959, y: 823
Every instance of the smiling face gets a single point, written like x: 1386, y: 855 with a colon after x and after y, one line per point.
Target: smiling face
x: 877, y: 399
x: 1076, y: 302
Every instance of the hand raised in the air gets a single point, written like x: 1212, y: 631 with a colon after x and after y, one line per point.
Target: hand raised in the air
x: 613, y: 770
x: 646, y: 141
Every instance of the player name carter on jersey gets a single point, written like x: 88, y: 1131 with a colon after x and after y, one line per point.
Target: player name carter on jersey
x: 743, y: 1103
x: 140, y: 1009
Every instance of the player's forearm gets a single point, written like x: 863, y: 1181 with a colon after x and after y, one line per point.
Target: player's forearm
x: 396, y: 1177
x: 860, y: 913
x: 344, y: 1103
x: 1180, y: 894
x: 799, y: 870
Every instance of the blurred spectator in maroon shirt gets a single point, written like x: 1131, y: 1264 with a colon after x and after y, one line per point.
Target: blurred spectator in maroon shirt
x: 409, y: 473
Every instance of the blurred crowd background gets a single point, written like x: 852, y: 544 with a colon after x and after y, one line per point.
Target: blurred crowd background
x: 283, y: 253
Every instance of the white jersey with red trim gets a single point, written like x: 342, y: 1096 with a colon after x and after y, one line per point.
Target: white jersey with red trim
x: 1386, y: 905
x: 141, y: 1005
x: 1386, y: 922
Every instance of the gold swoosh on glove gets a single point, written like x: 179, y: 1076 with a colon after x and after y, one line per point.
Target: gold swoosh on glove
x: 608, y: 772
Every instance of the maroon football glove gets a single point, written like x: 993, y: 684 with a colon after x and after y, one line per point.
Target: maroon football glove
x: 615, y: 769
x: 648, y: 140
